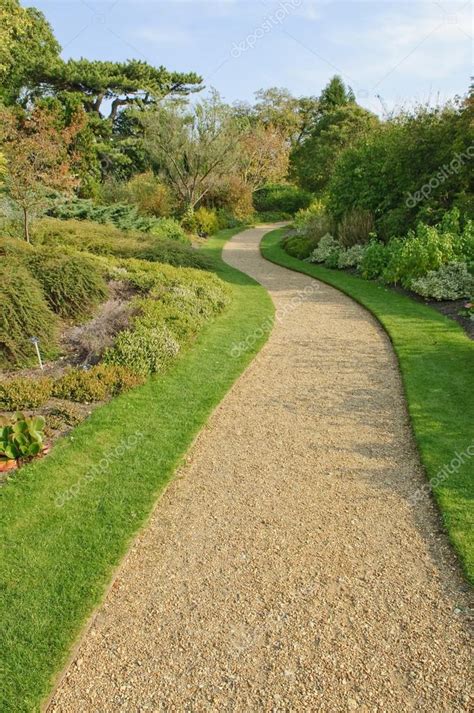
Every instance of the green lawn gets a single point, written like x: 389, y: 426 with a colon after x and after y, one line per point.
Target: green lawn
x: 55, y: 562
x: 437, y: 364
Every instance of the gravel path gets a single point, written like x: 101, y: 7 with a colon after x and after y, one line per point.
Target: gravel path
x: 284, y: 569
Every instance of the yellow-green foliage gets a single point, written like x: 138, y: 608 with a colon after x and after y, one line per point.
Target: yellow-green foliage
x: 144, y: 350
x: 109, y: 240
x: 24, y: 313
x: 73, y: 283
x: 95, y: 384
x: 21, y: 393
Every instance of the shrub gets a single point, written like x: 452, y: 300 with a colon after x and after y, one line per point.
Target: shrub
x: 80, y: 385
x: 169, y: 229
x: 281, y: 197
x: 95, y: 384
x: 299, y: 246
x: 24, y: 313
x: 153, y: 313
x: 22, y: 393
x: 121, y: 215
x: 423, y: 250
x: 271, y: 216
x: 355, y: 227
x: 150, y: 196
x: 451, y: 282
x: 73, y: 284
x: 327, y: 249
x: 352, y: 257
x: 144, y: 350
x: 374, y: 260
x: 107, y: 240
x: 203, y: 221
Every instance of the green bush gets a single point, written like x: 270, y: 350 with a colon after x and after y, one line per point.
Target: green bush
x: 451, y: 282
x: 21, y: 393
x: 24, y: 313
x: 299, y: 246
x: 352, y: 257
x: 95, y: 384
x: 107, y: 240
x: 425, y: 249
x: 143, y: 350
x: 283, y: 197
x: 72, y: 283
x: 374, y: 260
x: 154, y: 313
x: 328, y: 250
x: 169, y: 229
x: 413, y: 167
x: 204, y: 221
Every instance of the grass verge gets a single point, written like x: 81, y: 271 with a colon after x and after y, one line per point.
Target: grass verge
x: 437, y: 365
x: 56, y: 562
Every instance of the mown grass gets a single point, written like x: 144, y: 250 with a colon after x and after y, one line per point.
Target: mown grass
x: 56, y: 562
x: 437, y: 365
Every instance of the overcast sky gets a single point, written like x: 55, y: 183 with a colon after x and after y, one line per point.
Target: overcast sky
x: 405, y: 51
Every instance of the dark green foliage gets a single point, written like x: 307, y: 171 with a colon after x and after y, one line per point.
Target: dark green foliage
x: 314, y: 161
x: 300, y: 246
x: 21, y: 393
x: 410, y: 168
x: 282, y: 198
x: 24, y: 313
x: 72, y: 283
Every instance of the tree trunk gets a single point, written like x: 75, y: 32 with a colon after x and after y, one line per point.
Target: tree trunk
x: 26, y: 227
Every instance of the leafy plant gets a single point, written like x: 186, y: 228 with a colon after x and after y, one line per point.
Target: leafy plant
x: 283, y: 197
x: 203, y: 221
x: 21, y: 438
x: 21, y: 393
x: 450, y: 282
x: 352, y: 257
x: 374, y: 260
x: 328, y: 248
x: 144, y: 350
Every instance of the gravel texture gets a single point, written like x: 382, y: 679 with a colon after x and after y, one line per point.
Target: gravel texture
x: 284, y: 568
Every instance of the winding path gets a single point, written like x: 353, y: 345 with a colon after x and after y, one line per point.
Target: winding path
x: 284, y: 569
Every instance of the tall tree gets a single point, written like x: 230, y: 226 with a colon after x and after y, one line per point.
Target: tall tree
x: 192, y: 147
x: 28, y: 49
x: 334, y: 95
x: 39, y: 155
x: 263, y: 156
x: 120, y: 84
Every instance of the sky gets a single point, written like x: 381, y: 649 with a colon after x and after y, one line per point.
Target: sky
x: 392, y: 54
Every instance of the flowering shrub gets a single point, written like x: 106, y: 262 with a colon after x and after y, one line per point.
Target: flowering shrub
x: 450, y: 282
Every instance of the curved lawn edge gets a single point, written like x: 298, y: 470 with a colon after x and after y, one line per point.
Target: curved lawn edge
x: 57, y: 560
x: 436, y: 360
